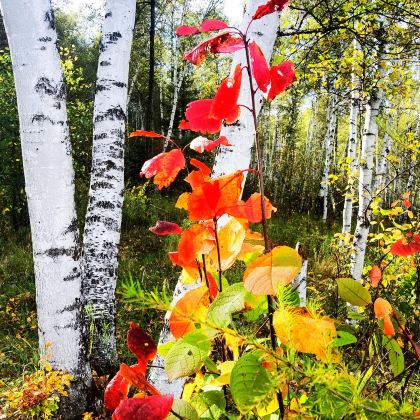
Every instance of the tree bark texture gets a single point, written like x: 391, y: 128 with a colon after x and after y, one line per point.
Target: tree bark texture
x: 49, y: 179
x: 103, y: 217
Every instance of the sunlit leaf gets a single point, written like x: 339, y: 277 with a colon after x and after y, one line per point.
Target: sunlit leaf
x: 260, y: 68
x: 383, y: 310
x: 277, y: 267
x: 144, y: 133
x: 202, y: 144
x: 140, y: 344
x: 156, y: 407
x: 375, y: 275
x: 395, y: 355
x: 210, y: 25
x: 353, y: 292
x: 270, y: 7
x: 165, y: 228
x: 184, y: 410
x: 281, y: 77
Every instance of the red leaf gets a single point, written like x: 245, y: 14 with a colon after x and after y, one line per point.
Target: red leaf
x: 165, y: 228
x: 259, y: 65
x: 281, y: 76
x: 210, y: 25
x: 213, y: 289
x: 407, y: 246
x: 185, y: 30
x: 375, y: 276
x: 407, y: 203
x: 225, y: 101
x: 164, y: 167
x: 156, y: 407
x: 135, y: 376
x: 225, y: 42
x: 196, y: 178
x: 140, y: 344
x: 198, y: 116
x: 115, y: 392
x: 270, y: 7
x: 143, y: 133
x: 201, y: 144
x: 184, y: 125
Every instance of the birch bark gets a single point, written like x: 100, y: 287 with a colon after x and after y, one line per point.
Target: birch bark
x: 49, y: 179
x: 351, y: 152
x: 329, y: 142
x: 103, y: 217
x: 228, y: 159
x: 370, y: 132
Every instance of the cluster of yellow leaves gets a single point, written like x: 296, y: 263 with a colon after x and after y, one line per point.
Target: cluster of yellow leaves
x: 38, y: 395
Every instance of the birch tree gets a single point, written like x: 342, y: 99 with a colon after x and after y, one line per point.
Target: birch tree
x: 228, y: 159
x: 49, y: 185
x: 47, y: 160
x: 103, y: 218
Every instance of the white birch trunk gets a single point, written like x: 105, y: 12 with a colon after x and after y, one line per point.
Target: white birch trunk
x: 351, y: 154
x: 49, y: 180
x: 365, y: 186
x: 299, y: 283
x: 329, y: 142
x: 103, y: 217
x: 228, y: 159
x: 383, y: 162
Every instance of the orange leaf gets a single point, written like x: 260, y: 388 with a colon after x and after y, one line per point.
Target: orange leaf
x: 375, y: 276
x: 383, y: 310
x: 251, y: 209
x: 164, y: 167
x: 194, y: 302
x: 144, y: 133
x: 215, y: 197
x: 279, y: 266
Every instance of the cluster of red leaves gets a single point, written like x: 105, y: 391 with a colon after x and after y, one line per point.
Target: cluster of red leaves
x: 408, y: 245
x: 208, y: 25
x: 207, y: 115
x: 270, y: 7
x: 275, y: 79
x: 148, y: 403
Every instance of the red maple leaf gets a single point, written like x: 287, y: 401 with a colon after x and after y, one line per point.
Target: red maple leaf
x: 259, y: 66
x: 210, y: 25
x: 375, y: 275
x: 185, y: 30
x: 270, y: 7
x: 251, y: 209
x: 155, y: 407
x: 164, y: 167
x: 281, y: 77
x: 409, y: 245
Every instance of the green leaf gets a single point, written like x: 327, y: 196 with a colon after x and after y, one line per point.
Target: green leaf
x: 227, y: 302
x: 250, y: 382
x: 211, y: 366
x: 353, y: 292
x: 165, y: 347
x: 210, y: 405
x: 344, y: 339
x: 395, y: 355
x: 187, y: 355
x: 184, y: 410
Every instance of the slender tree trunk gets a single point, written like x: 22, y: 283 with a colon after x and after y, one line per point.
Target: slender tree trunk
x: 49, y: 178
x: 383, y: 161
x: 365, y: 185
x: 329, y: 142
x: 300, y: 281
x: 103, y: 217
x: 151, y: 82
x: 351, y: 153
x: 228, y: 159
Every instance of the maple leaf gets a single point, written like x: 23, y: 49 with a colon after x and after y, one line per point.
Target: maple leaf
x: 281, y: 77
x: 210, y: 25
x: 221, y: 43
x: 202, y: 144
x: 193, y: 302
x: 164, y: 167
x: 375, y: 275
x: 155, y: 407
x: 251, y: 209
x: 199, y: 119
x: 270, y: 7
x: 165, y: 228
x: 185, y: 30
x: 195, y: 179
x: 140, y: 344
x: 224, y: 104
x: 408, y: 245
x: 214, y: 197
x: 259, y: 66
x: 383, y: 309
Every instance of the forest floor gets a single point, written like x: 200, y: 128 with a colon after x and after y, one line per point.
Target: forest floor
x: 143, y: 257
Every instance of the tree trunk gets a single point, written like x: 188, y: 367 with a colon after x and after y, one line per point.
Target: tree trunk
x: 365, y: 185
x: 49, y: 178
x: 103, y: 217
x: 151, y: 82
x: 383, y: 161
x: 228, y: 159
x: 329, y: 142
x: 351, y: 153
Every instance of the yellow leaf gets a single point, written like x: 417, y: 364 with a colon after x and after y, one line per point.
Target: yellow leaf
x: 225, y: 370
x: 298, y: 329
x: 267, y: 272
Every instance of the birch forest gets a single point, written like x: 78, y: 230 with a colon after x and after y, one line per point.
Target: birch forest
x: 209, y: 209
